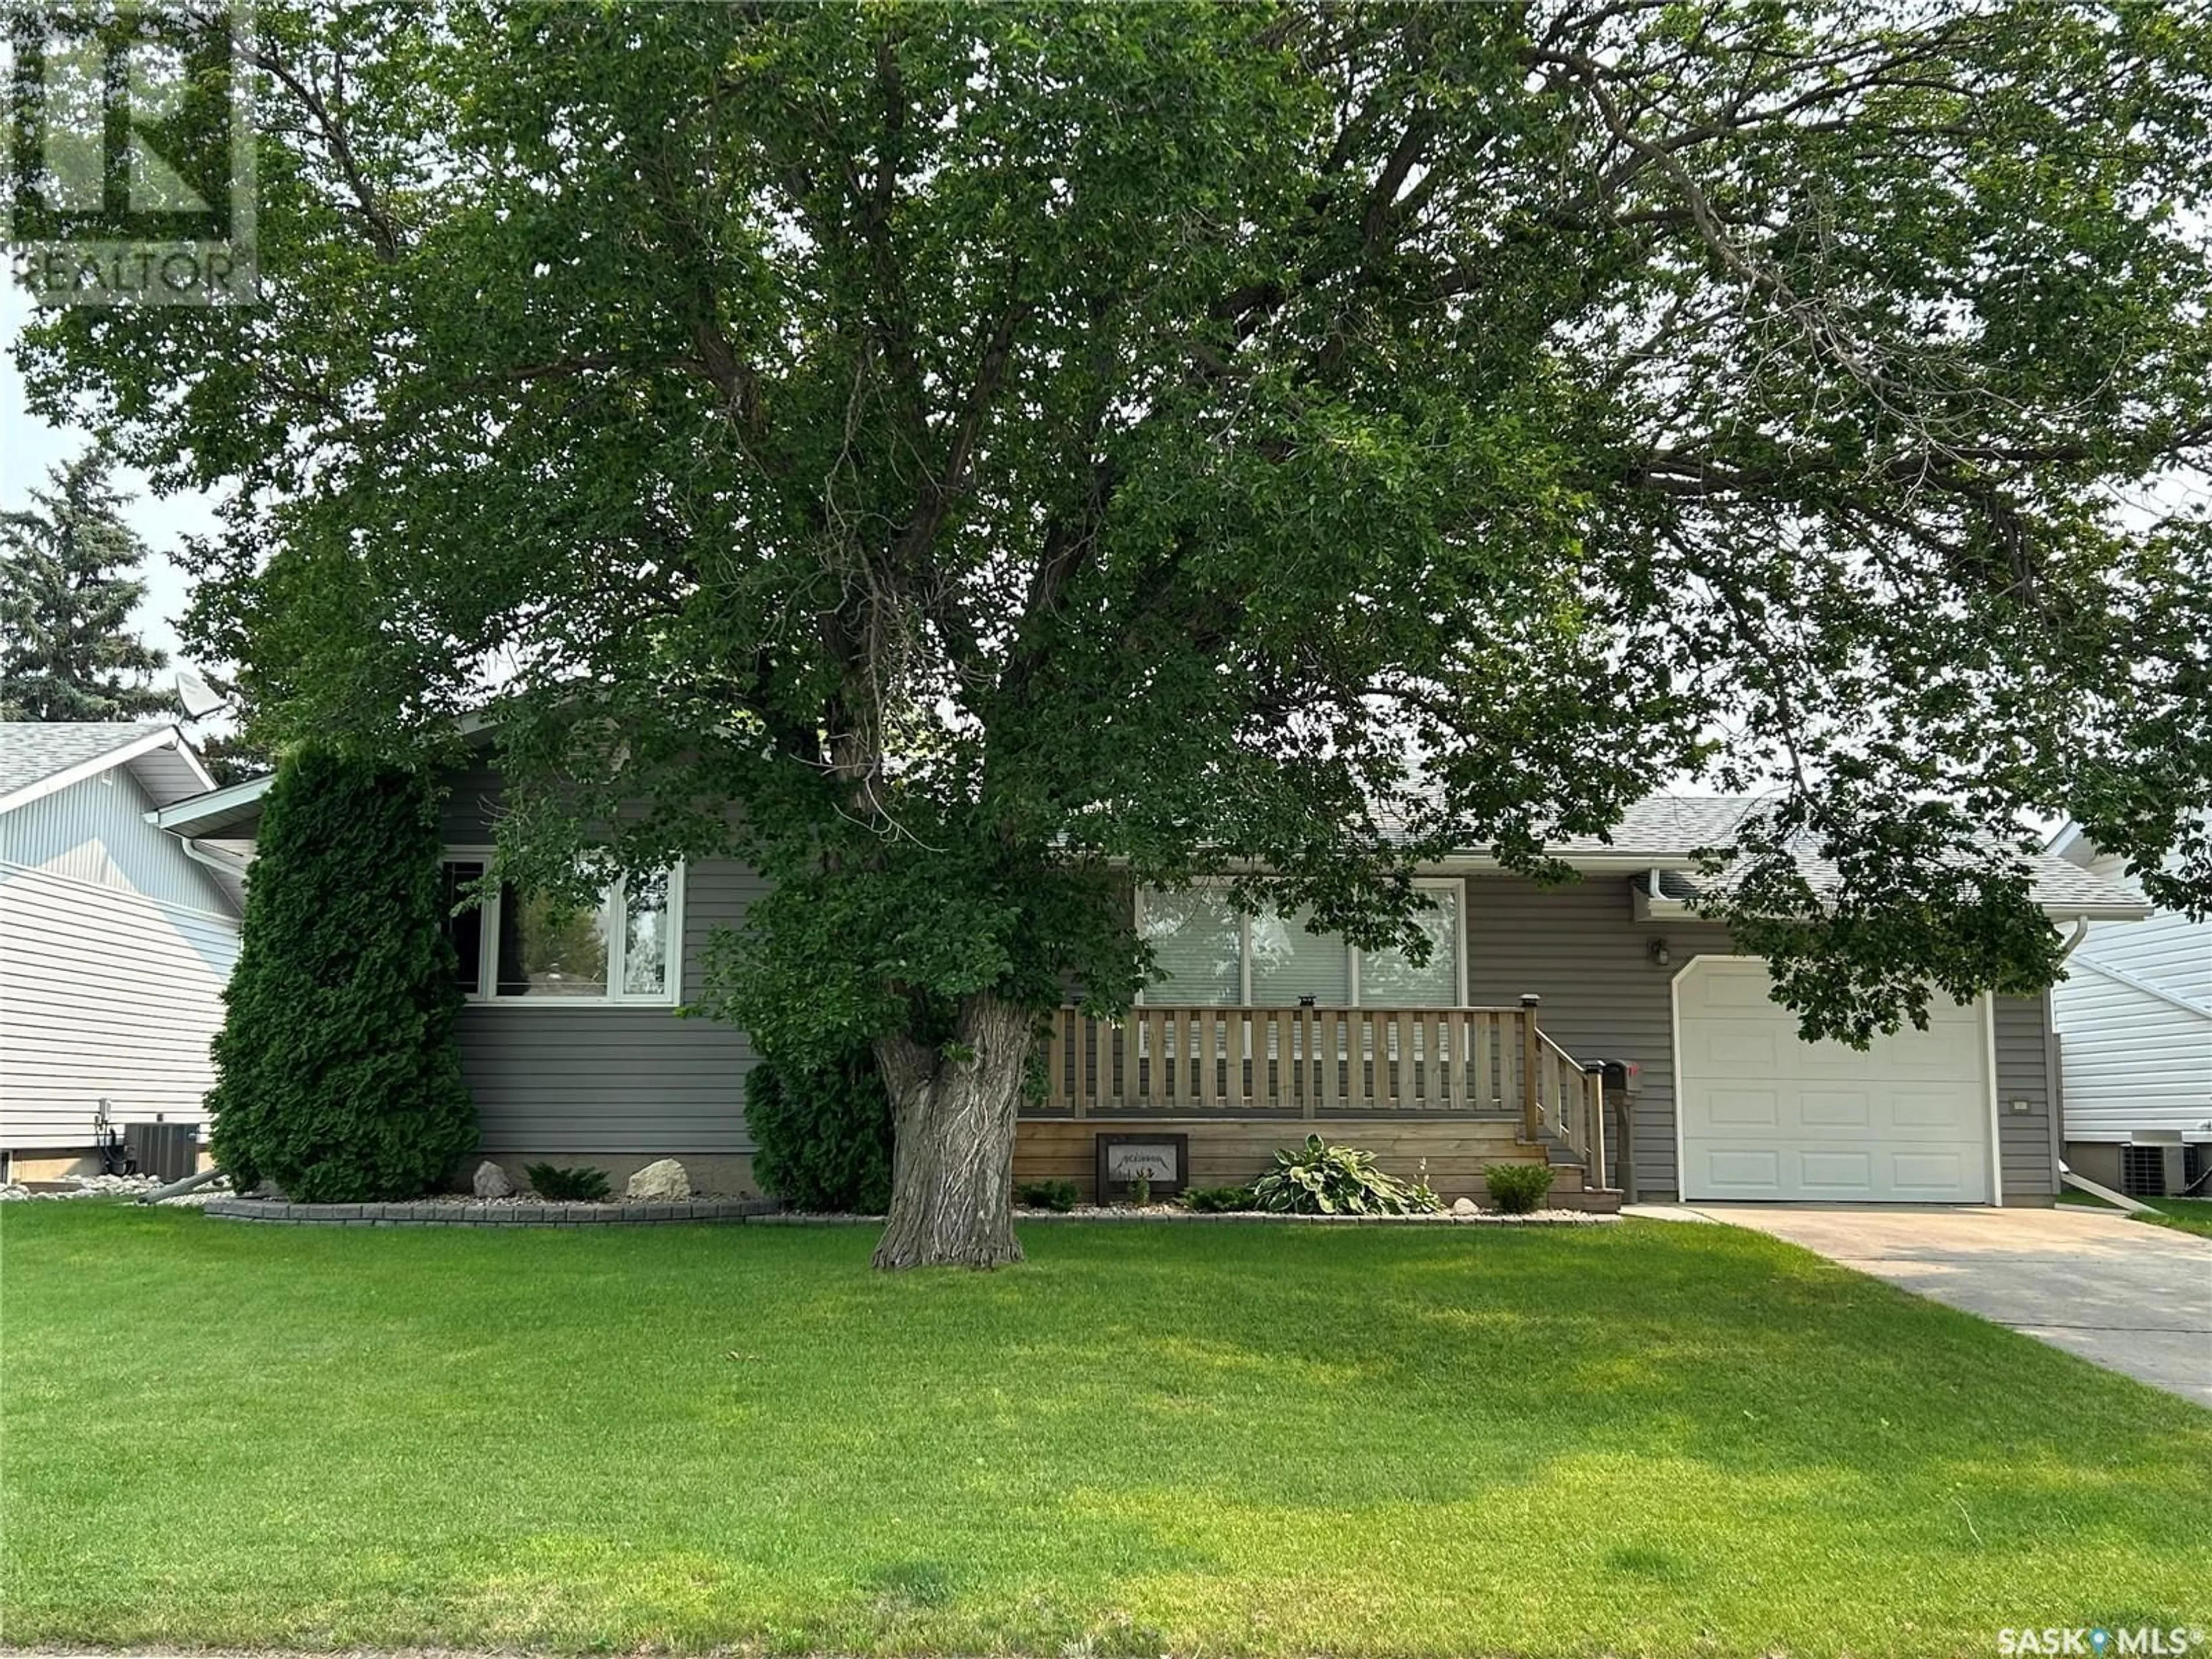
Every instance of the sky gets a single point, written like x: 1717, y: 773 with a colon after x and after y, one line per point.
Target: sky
x: 29, y: 447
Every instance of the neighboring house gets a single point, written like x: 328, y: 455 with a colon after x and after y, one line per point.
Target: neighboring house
x: 115, y: 940
x: 1261, y: 1032
x: 2135, y: 1017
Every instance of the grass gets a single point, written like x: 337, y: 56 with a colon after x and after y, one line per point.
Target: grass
x: 1646, y: 1439
x: 2183, y: 1215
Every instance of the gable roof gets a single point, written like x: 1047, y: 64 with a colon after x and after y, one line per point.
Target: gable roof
x: 41, y: 757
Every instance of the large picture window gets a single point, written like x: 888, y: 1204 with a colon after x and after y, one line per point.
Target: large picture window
x: 518, y: 946
x: 1210, y: 954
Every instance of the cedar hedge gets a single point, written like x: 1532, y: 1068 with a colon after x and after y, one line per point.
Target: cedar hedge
x: 338, y: 1078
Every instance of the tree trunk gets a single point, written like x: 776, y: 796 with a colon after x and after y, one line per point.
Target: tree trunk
x: 952, y: 1150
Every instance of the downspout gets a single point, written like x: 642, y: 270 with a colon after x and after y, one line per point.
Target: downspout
x: 191, y: 1183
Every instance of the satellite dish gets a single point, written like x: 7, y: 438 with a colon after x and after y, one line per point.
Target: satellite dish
x: 200, y: 699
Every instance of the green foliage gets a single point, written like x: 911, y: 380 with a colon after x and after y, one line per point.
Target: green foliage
x: 580, y: 1184
x: 821, y: 1134
x: 1318, y: 1179
x: 68, y: 586
x: 1059, y: 1195
x: 1138, y: 1190
x: 1519, y: 1188
x: 336, y: 1076
x: 1188, y: 412
x: 1220, y: 1200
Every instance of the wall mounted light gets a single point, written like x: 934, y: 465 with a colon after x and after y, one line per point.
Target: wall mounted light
x: 1660, y: 955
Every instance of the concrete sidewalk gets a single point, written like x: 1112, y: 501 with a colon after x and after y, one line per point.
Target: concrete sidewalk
x: 2123, y: 1294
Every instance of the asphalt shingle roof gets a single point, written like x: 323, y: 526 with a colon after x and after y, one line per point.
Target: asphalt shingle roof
x: 1675, y: 826
x: 31, y: 751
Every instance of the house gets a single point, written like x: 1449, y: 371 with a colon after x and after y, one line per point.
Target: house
x: 2134, y: 1015
x: 1599, y: 1026
x: 116, y: 939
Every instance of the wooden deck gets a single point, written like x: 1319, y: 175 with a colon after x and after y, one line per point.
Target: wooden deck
x: 1451, y: 1154
x: 1492, y: 1074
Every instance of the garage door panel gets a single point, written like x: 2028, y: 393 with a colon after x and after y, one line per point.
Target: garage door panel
x: 1734, y: 1110
x: 1765, y: 1114
x: 1739, y: 1172
x: 1836, y: 1174
x: 1932, y: 1174
x: 1914, y: 1107
x: 1836, y: 1108
x: 1738, y: 1045
x: 1723, y: 989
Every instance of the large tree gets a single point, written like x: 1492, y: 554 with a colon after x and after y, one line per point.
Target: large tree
x: 69, y: 585
x: 1006, y: 450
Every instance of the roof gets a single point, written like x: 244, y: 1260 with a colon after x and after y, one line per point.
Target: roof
x: 42, y: 757
x: 236, y: 806
x: 1668, y: 830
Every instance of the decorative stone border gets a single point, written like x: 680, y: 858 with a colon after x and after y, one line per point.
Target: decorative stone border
x: 488, y: 1215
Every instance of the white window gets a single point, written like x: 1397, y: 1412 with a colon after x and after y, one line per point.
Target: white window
x: 1210, y: 954
x: 522, y: 947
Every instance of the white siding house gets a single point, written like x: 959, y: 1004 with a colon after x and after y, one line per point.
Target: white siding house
x: 2134, y: 1016
x: 116, y: 938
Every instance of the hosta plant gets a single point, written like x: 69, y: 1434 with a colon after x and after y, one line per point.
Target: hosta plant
x: 1319, y: 1179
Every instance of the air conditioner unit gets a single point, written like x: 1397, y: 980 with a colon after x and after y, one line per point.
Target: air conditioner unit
x: 1660, y: 893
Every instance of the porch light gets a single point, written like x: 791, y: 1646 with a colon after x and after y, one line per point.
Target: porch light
x: 1660, y: 955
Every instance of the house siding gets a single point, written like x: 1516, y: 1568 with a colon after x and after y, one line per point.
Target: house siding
x: 114, y: 949
x: 608, y: 1080
x: 2136, y: 1061
x: 1581, y: 949
x: 2026, y: 1141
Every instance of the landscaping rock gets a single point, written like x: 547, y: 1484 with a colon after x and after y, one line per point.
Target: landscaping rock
x: 1464, y: 1206
x: 492, y: 1181
x: 665, y: 1180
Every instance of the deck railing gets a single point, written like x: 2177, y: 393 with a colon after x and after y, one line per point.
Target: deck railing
x: 1324, y: 1062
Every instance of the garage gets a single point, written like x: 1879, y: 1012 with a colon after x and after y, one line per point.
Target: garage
x: 1762, y: 1113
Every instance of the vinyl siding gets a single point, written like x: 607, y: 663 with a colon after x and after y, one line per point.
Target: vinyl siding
x: 2134, y: 1060
x: 114, y: 949
x: 566, y: 1080
x: 2026, y: 1141
x: 1581, y: 949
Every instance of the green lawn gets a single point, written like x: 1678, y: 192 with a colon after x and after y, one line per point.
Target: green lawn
x: 1680, y: 1440
x: 2185, y: 1215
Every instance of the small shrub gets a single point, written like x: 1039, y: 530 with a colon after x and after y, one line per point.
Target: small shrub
x: 1059, y: 1195
x: 1319, y: 1179
x: 1519, y: 1188
x: 821, y: 1134
x: 582, y: 1185
x: 1140, y: 1188
x: 1220, y: 1200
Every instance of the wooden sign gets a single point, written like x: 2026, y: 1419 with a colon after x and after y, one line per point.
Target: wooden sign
x: 1163, y: 1160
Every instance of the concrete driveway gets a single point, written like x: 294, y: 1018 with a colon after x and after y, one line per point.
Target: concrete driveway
x: 2121, y: 1293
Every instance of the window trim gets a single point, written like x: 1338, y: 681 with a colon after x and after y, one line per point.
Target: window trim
x: 617, y: 945
x: 1454, y: 885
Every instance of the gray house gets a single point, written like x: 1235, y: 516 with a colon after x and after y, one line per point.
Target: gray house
x: 1599, y: 1026
x: 115, y: 940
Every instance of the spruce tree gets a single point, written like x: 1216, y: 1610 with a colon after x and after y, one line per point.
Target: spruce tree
x: 337, y: 1077
x: 68, y: 585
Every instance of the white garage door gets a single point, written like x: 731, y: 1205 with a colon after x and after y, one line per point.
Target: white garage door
x: 1765, y: 1114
